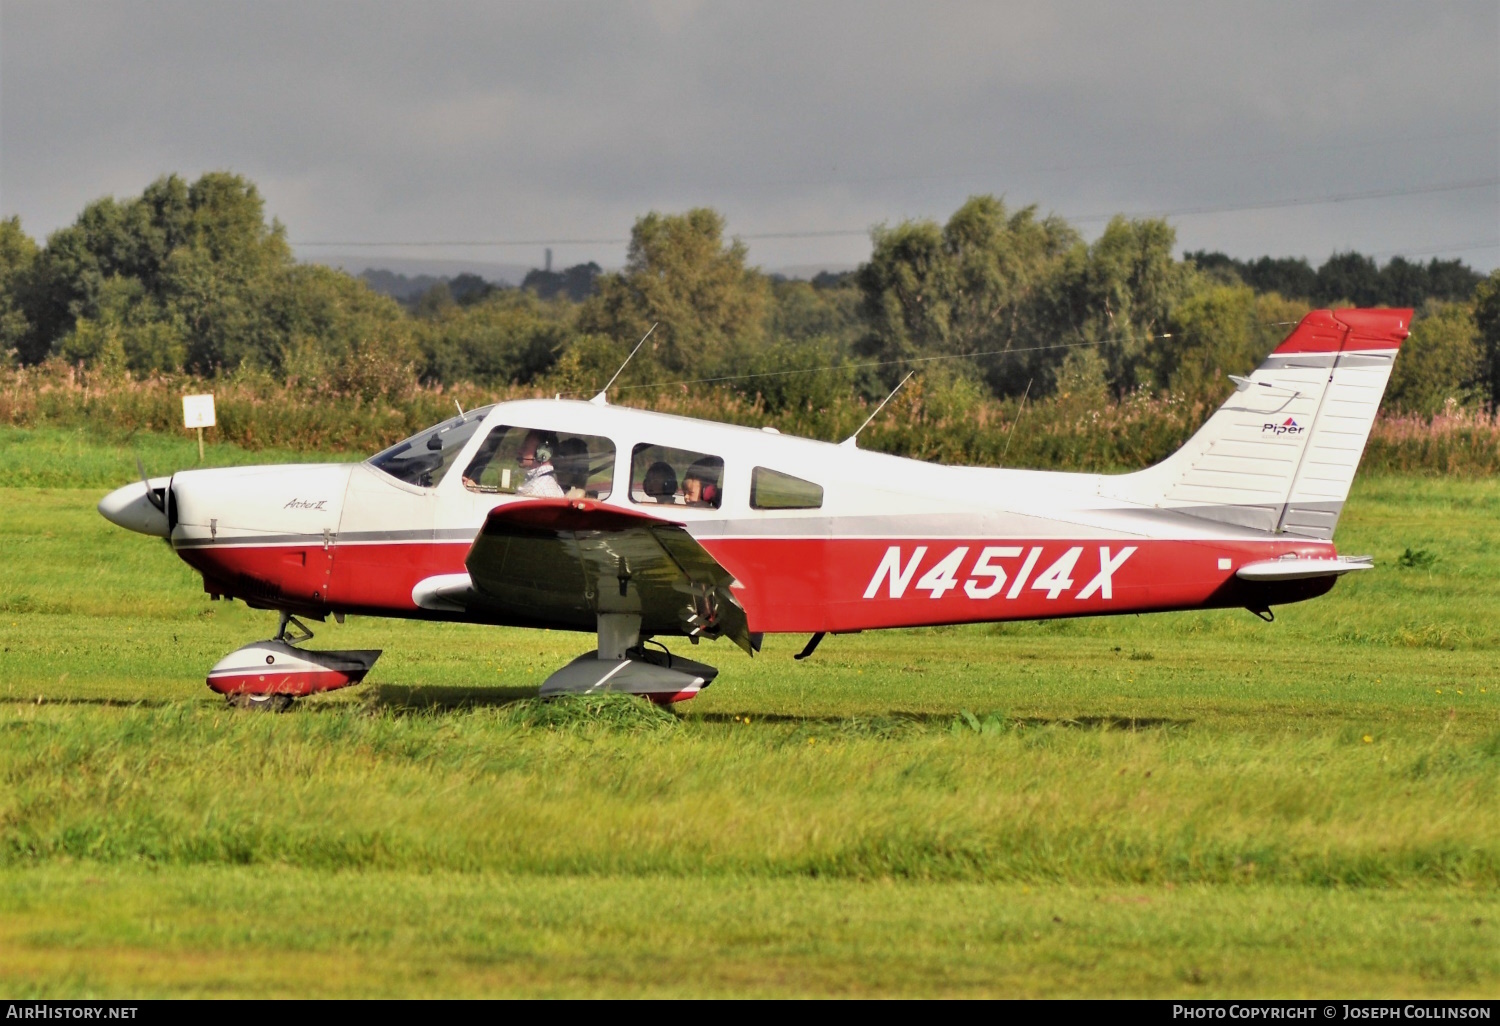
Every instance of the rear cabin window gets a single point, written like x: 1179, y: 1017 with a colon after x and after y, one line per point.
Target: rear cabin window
x: 676, y: 477
x: 771, y: 489
x: 542, y: 464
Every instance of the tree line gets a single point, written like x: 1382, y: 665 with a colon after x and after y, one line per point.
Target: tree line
x: 995, y: 302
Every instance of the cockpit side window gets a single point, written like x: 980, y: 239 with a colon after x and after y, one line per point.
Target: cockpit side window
x: 424, y: 458
x: 676, y: 477
x: 542, y: 463
x: 771, y: 489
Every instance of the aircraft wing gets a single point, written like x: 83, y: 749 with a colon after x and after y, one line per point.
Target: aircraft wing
x: 569, y: 559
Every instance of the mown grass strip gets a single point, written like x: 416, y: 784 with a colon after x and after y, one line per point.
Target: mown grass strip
x: 90, y: 930
x: 616, y: 787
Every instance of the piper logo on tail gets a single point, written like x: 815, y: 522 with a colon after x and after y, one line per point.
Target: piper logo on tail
x: 1286, y: 427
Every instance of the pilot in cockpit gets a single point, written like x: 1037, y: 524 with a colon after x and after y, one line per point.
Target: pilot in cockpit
x: 535, y: 458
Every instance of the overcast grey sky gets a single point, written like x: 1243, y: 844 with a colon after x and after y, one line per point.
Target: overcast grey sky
x: 417, y: 122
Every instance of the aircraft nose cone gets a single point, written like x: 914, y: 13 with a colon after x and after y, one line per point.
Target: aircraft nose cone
x: 130, y: 508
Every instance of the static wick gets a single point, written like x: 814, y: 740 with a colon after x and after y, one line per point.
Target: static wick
x: 850, y: 441
x: 603, y: 396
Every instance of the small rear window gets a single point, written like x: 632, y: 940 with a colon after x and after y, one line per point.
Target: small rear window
x: 771, y: 489
x: 680, y: 477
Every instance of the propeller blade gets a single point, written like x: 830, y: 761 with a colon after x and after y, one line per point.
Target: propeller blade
x: 156, y: 500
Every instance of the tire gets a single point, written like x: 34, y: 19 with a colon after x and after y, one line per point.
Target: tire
x: 261, y: 703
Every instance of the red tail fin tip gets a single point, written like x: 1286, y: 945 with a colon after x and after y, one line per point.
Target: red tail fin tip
x: 1332, y: 331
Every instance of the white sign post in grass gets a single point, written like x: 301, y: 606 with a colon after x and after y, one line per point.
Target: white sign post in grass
x: 198, y: 412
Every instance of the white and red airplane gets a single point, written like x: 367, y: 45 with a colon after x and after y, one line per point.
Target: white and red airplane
x: 633, y: 525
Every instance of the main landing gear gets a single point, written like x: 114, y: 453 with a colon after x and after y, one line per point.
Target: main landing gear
x: 269, y: 675
x: 622, y: 663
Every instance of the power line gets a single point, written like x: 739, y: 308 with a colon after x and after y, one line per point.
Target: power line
x: 471, y: 242
x: 1457, y: 247
x: 900, y: 363
x: 1349, y: 197
x: 1175, y: 159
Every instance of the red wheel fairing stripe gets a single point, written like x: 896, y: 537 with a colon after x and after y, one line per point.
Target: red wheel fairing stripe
x: 287, y: 682
x: 679, y: 696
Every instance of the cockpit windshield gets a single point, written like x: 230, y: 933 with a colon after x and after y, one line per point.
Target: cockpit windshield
x: 424, y: 458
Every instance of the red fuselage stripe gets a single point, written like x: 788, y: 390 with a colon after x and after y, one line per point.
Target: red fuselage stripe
x: 802, y: 585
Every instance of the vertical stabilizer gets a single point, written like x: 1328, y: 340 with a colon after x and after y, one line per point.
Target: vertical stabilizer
x: 1280, y: 454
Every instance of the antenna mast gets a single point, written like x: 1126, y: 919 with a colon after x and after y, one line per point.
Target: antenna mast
x: 1012, y: 432
x: 602, y: 398
x: 850, y: 441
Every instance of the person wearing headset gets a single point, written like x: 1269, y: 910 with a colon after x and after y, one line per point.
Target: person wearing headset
x: 535, y: 458
x: 700, y: 485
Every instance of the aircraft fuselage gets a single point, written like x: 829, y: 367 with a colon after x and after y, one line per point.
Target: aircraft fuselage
x: 894, y: 543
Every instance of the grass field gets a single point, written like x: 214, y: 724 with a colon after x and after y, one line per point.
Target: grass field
x: 1193, y: 804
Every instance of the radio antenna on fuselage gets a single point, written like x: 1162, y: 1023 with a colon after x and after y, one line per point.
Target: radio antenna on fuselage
x: 602, y: 397
x: 850, y: 441
x: 1012, y: 432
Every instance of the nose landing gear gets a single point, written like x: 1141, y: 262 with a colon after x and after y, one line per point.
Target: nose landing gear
x: 292, y: 630
x: 269, y: 675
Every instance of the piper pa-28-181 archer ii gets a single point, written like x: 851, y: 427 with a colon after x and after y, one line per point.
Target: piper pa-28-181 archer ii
x: 574, y: 515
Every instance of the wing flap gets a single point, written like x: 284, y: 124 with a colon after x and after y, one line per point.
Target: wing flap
x: 570, y: 559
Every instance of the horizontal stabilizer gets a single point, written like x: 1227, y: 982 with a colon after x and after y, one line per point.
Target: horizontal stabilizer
x: 1300, y: 568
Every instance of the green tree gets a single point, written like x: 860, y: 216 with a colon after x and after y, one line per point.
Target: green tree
x: 1450, y: 279
x: 1218, y: 331
x: 1117, y: 295
x: 322, y: 324
x: 111, y: 239
x: 803, y: 311
x: 1212, y: 336
x: 1348, y: 278
x: 18, y: 252
x: 194, y: 276
x: 585, y: 366
x: 510, y: 337
x: 680, y: 274
x: 1289, y: 276
x: 150, y: 338
x: 180, y: 267
x: 1487, y: 321
x: 219, y: 278
x: 967, y: 289
x: 1439, y: 363
x: 797, y: 374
